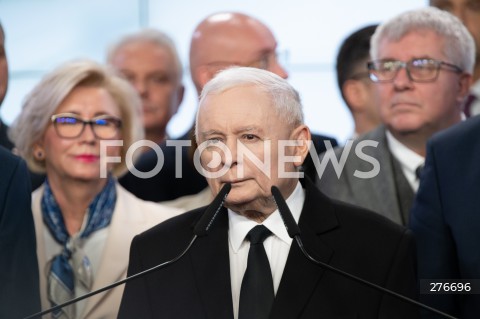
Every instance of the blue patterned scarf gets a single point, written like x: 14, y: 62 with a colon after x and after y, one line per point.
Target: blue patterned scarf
x: 61, y: 279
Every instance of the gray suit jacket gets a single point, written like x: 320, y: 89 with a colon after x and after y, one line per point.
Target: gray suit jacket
x: 388, y: 193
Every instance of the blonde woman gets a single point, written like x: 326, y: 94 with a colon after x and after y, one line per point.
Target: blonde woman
x: 84, y: 222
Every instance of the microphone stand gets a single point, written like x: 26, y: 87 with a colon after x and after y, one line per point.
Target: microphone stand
x: 115, y: 284
x: 294, y: 232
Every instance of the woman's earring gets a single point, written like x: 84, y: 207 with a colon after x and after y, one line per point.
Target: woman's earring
x: 40, y: 155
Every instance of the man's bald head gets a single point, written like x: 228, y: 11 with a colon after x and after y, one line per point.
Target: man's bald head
x: 231, y: 38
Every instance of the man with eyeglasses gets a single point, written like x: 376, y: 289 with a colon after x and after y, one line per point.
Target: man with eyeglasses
x: 422, y: 63
x: 469, y: 12
x: 221, y: 40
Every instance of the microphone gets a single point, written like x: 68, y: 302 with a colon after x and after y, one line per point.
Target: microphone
x: 201, y: 229
x: 294, y: 232
x: 206, y: 221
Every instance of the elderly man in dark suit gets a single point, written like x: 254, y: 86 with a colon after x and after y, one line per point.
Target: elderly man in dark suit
x: 445, y: 218
x: 19, y: 292
x: 251, y: 134
x: 421, y: 84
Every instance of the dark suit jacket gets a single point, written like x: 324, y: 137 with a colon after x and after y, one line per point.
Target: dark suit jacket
x: 198, y: 285
x: 445, y: 218
x: 35, y: 179
x: 165, y: 186
x: 4, y: 140
x: 19, y: 292
x: 388, y: 193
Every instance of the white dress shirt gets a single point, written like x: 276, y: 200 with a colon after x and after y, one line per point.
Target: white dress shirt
x: 475, y: 106
x: 408, y: 159
x: 276, y: 246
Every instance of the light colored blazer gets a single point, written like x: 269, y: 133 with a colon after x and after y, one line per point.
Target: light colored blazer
x: 131, y: 217
x: 388, y: 193
x: 190, y: 202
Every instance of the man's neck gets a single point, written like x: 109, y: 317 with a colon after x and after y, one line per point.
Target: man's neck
x: 415, y: 141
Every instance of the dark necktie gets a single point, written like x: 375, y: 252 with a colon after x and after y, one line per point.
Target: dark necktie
x: 256, y: 294
x: 467, y: 105
x: 418, y: 171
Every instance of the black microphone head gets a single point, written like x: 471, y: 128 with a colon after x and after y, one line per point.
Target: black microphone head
x: 204, y: 223
x: 288, y: 220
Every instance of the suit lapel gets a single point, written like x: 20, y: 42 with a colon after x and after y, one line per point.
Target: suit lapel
x: 404, y: 192
x: 41, y: 252
x: 114, y: 263
x: 211, y: 266
x: 301, y: 276
x: 370, y: 193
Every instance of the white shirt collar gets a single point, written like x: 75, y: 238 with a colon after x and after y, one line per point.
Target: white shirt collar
x: 239, y: 225
x: 408, y: 159
x: 475, y: 88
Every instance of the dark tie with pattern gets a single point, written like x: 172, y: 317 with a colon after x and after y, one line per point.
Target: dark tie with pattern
x: 256, y: 294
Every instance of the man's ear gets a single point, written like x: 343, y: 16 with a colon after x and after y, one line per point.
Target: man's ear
x: 302, y: 135
x: 464, y: 82
x: 354, y: 94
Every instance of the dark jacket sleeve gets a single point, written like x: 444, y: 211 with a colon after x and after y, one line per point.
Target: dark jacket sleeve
x: 435, y: 245
x: 19, y: 290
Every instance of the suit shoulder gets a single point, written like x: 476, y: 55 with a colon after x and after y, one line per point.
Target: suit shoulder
x: 176, y: 227
x: 8, y: 158
x: 466, y: 132
x: 11, y: 164
x: 355, y: 217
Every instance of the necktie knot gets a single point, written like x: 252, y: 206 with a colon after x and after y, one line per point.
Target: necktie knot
x: 258, y: 234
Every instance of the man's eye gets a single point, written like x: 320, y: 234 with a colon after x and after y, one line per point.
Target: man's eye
x: 213, y: 140
x: 160, y: 79
x: 249, y: 137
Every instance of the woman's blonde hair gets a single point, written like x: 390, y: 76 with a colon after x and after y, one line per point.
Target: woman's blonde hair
x: 42, y: 102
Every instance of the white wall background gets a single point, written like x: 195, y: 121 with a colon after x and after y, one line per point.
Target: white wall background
x: 44, y: 33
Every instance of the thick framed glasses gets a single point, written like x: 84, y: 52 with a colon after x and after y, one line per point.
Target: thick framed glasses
x: 418, y: 70
x: 69, y: 125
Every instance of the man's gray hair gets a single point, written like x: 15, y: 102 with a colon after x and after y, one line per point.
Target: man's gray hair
x: 285, y: 99
x: 154, y: 36
x: 459, y: 46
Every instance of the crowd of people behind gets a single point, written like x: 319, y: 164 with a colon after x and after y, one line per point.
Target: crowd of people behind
x: 83, y: 202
